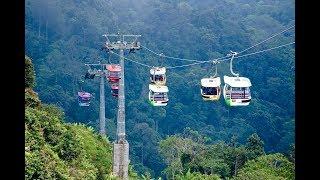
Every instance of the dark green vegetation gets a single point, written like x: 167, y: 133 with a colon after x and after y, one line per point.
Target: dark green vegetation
x: 190, y: 156
x: 57, y: 150
x: 62, y: 35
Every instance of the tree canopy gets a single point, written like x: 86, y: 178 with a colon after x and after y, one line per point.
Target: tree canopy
x: 60, y: 36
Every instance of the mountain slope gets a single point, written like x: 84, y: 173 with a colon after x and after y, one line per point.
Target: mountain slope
x: 58, y: 150
x: 63, y: 35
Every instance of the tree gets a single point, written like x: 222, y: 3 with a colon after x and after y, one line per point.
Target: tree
x: 272, y: 166
x: 254, y: 147
x: 200, y: 30
x: 197, y: 176
x: 29, y: 78
x: 172, y: 149
x: 56, y: 150
x: 291, y: 154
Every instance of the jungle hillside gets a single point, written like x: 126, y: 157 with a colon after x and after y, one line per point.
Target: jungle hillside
x: 187, y: 139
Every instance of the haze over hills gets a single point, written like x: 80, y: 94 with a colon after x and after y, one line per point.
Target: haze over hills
x: 63, y: 35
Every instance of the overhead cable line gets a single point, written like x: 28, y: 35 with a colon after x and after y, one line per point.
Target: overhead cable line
x: 257, y: 52
x: 193, y: 60
x: 172, y: 67
x: 267, y: 39
x: 201, y: 62
x: 131, y: 60
x: 217, y: 60
x: 170, y: 57
x: 265, y: 50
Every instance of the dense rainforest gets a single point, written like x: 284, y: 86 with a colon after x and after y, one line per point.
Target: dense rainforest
x: 58, y: 150
x: 60, y: 36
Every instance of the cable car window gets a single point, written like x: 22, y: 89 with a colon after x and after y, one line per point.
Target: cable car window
x: 114, y: 74
x: 209, y: 90
x: 240, y: 92
x: 157, y: 77
x: 160, y: 96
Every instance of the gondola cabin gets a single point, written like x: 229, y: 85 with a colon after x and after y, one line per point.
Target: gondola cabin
x: 115, y: 89
x: 90, y: 74
x: 236, y: 91
x: 84, y: 98
x: 210, y: 89
x: 113, y: 73
x: 158, y: 95
x: 158, y: 75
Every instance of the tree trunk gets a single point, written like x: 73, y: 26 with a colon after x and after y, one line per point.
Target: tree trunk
x: 142, y: 154
x: 156, y: 125
x: 47, y: 32
x: 39, y: 26
x: 74, y: 85
x: 236, y: 166
x: 84, y: 36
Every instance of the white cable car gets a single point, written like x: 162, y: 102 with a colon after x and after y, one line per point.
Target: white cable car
x: 210, y: 88
x: 236, y: 91
x: 158, y: 95
x: 158, y: 75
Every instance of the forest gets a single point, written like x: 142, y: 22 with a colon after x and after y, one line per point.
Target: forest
x: 58, y: 150
x: 189, y: 137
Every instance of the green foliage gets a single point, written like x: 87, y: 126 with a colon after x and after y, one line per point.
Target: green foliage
x: 55, y: 150
x: 292, y: 153
x: 254, y: 147
x: 31, y: 98
x: 63, y: 35
x: 197, y: 176
x: 29, y: 77
x: 97, y: 149
x: 147, y: 176
x: 75, y: 149
x: 272, y: 166
x: 188, y: 159
x: 183, y: 154
x: 45, y: 164
x: 172, y: 149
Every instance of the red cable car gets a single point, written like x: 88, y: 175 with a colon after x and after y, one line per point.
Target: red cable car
x: 113, y: 75
x: 115, y: 89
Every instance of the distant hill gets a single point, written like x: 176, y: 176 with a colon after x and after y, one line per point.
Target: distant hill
x: 63, y: 35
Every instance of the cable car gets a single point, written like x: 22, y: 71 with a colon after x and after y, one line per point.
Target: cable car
x: 210, y: 88
x: 115, y: 89
x: 113, y: 75
x: 236, y: 91
x: 158, y: 95
x: 158, y: 75
x: 90, y: 74
x: 84, y: 98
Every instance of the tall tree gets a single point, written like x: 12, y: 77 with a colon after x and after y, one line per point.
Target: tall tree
x: 29, y: 78
x: 272, y: 166
x: 254, y: 146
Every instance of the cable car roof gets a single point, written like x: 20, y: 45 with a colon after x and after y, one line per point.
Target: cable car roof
x: 237, y: 81
x: 114, y: 67
x: 84, y: 94
x: 211, y: 82
x: 158, y: 70
x: 156, y: 88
